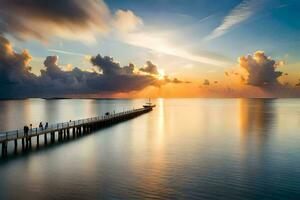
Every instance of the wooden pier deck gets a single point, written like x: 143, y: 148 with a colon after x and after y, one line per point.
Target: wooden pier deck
x: 65, y: 130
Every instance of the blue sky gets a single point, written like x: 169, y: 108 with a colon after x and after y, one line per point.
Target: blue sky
x: 186, y: 30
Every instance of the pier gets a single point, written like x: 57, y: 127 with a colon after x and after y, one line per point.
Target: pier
x: 64, y: 131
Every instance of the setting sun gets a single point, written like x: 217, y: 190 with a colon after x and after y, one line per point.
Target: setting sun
x: 161, y: 74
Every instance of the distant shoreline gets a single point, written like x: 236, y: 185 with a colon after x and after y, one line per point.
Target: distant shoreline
x: 66, y: 98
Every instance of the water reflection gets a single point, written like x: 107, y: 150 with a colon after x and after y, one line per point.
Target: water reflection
x: 256, y: 117
x: 183, y: 149
x: 257, y: 121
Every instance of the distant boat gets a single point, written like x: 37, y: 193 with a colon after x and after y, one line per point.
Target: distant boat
x: 149, y: 104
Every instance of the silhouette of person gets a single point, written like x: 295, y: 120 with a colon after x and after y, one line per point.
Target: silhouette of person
x: 41, y: 125
x: 46, y: 125
x: 26, y: 129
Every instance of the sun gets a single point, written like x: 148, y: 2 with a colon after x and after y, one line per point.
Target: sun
x: 161, y: 74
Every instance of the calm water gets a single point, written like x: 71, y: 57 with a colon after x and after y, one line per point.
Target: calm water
x: 184, y: 149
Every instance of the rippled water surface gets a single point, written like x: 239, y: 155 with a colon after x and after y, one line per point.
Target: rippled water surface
x: 183, y: 149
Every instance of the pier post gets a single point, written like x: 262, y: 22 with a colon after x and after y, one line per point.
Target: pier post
x: 52, y: 137
x: 4, y: 149
x: 45, y: 138
x: 74, y: 132
x: 30, y: 143
x: 60, y: 135
x: 77, y: 131
x: 65, y: 134
x: 85, y: 129
x: 16, y: 146
x: 23, y: 144
x: 38, y: 141
x: 26, y: 143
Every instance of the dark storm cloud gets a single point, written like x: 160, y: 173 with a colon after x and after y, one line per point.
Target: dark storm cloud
x: 41, y: 18
x: 14, y: 70
x: 261, y: 69
x: 117, y: 77
x: 17, y: 80
x: 109, y: 67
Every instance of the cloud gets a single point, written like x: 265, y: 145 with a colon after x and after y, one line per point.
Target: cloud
x: 206, y: 82
x: 162, y: 43
x: 126, y: 21
x: 150, y: 68
x: 67, y: 52
x: 68, y: 19
x: 14, y: 67
x: 17, y: 80
x: 239, y: 14
x: 175, y: 80
x: 261, y: 70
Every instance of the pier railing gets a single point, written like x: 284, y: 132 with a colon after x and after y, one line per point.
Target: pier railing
x: 11, y: 135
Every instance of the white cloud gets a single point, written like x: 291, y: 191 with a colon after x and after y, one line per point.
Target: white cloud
x: 163, y: 43
x: 126, y: 21
x: 67, y: 52
x: 239, y: 14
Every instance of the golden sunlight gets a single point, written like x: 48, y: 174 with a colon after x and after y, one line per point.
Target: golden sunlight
x: 161, y: 74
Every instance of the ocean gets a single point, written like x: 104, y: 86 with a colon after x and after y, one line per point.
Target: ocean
x: 183, y: 149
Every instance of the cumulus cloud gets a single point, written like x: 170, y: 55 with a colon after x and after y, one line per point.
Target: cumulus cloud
x: 150, y: 68
x: 108, y: 66
x: 17, y: 80
x: 14, y: 67
x: 69, y: 19
x: 126, y: 21
x: 261, y: 70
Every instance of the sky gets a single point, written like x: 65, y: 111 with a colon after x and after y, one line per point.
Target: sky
x: 149, y: 48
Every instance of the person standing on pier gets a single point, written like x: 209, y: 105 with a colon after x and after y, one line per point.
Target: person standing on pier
x: 46, y: 125
x: 26, y: 129
x: 41, y: 125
